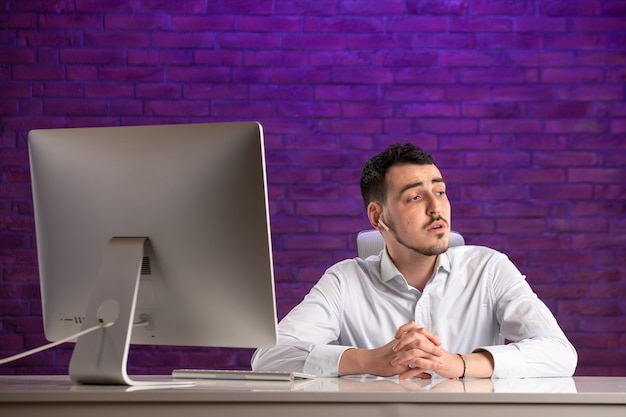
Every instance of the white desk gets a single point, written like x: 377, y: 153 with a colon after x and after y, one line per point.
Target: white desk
x: 53, y: 396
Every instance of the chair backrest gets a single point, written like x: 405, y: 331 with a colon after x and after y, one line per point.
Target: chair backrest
x: 371, y: 242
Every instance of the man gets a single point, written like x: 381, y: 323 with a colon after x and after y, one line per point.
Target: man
x: 419, y: 308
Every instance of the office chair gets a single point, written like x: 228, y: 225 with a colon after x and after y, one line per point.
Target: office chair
x: 370, y: 242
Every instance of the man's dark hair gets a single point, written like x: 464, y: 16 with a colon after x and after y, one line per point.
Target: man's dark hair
x: 373, y: 174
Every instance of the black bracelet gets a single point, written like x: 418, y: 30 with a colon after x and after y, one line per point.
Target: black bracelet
x: 464, y: 365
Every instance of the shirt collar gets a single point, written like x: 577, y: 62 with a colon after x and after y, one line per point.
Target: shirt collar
x: 389, y: 271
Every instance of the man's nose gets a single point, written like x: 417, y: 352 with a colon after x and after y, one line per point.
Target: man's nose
x: 434, y: 205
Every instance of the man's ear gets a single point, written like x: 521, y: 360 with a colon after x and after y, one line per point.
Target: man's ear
x: 374, y: 210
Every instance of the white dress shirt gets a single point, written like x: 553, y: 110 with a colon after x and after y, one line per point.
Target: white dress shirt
x: 475, y: 300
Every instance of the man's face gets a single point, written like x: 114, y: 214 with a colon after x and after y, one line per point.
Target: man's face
x: 417, y: 210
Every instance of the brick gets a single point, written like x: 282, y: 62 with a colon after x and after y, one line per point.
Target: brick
x: 200, y: 23
x: 524, y: 226
x: 15, y: 90
x: 58, y: 89
x: 116, y: 39
x: 412, y: 94
x: 481, y: 24
x: 510, y: 125
x: 310, y: 42
x: 584, y: 58
x: 597, y: 175
x: 132, y: 22
x: 595, y: 24
x: 52, y: 38
x: 498, y: 159
x: 541, y: 24
x: 82, y: 73
x: 214, y: 91
x: 590, y: 307
x: 525, y: 93
x: 168, y: 91
x: 132, y: 74
x: 510, y: 41
x: 198, y: 74
x: 303, y: 242
x: 559, y: 258
x: 591, y: 93
x: 406, y: 58
x: 560, y: 191
x: 37, y: 72
x: 303, y: 109
x: 576, y: 126
x: 559, y: 109
x: 268, y: 24
x: 72, y: 107
x: 469, y: 59
x: 600, y: 241
x: 102, y: 56
x: 618, y: 126
x: 517, y: 210
x: 610, y: 192
x: 305, y: 8
x: 275, y: 58
x: 434, y: 7
x: 570, y: 7
x: 538, y: 58
x: 567, y: 292
x: 428, y: 110
x: 503, y: 8
x: 412, y: 24
x: 300, y: 76
x: 598, y: 341
x: 189, y: 40
x: 366, y: 126
x: 329, y: 208
x: 606, y: 290
x: 19, y: 20
x: 587, y: 76
x: 460, y: 92
x: 424, y: 76
x: 174, y: 6
x: 492, y: 76
x: 252, y: 111
x: 576, y: 41
x: 487, y: 193
x: 76, y: 21
x: 173, y: 108
x: 356, y: 7
x: 251, y: 76
x: 446, y: 126
x: 367, y: 109
x: 562, y: 225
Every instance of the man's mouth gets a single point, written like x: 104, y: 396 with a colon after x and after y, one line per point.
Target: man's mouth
x: 437, y: 226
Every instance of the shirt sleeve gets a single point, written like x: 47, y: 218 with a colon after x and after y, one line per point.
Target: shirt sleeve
x: 537, y: 346
x: 308, y: 334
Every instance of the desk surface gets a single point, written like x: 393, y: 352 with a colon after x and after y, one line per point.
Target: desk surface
x: 363, y: 396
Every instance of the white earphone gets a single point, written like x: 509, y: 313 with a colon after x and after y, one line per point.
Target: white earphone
x: 382, y: 224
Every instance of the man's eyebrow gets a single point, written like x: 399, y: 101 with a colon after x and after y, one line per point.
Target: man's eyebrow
x: 436, y: 180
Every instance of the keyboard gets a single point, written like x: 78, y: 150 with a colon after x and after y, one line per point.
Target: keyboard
x: 215, y: 374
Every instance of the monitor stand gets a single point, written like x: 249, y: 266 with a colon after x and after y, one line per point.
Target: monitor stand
x: 100, y: 357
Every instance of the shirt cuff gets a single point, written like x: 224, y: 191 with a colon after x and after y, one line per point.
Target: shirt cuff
x: 323, y: 360
x: 508, y: 361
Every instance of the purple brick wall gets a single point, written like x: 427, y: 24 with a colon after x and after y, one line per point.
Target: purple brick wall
x: 521, y: 102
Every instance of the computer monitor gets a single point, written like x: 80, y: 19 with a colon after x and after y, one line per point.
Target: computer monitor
x: 167, y: 226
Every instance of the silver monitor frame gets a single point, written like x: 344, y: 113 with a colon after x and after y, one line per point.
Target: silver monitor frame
x: 167, y: 225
